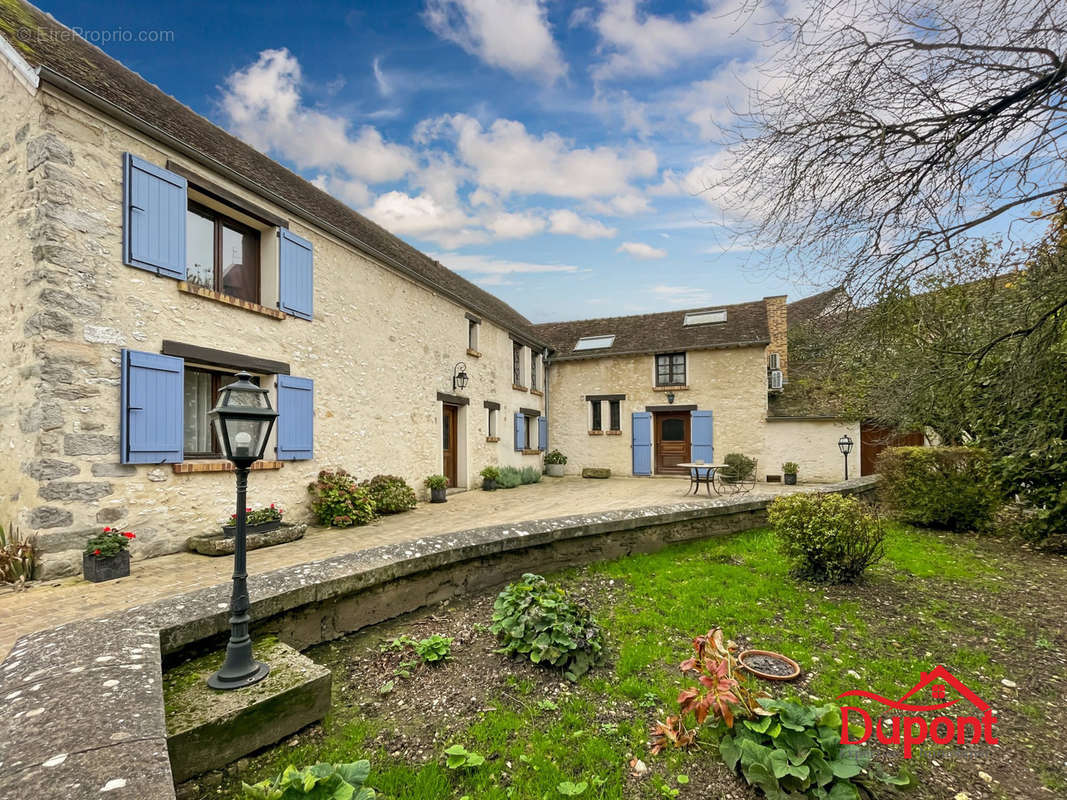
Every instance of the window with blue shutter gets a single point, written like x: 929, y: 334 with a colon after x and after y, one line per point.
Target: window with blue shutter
x: 151, y: 392
x: 642, y: 442
x: 153, y: 218
x: 296, y: 418
x: 295, y: 265
x: 520, y: 431
x: 701, y: 437
x: 542, y: 433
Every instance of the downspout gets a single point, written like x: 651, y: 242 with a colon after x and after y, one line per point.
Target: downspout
x: 548, y: 426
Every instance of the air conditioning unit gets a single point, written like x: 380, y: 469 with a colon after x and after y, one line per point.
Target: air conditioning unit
x: 773, y: 361
x: 775, y: 381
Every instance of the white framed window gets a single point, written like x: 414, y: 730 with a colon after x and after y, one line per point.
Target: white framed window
x: 704, y: 317
x: 473, y: 328
x: 491, y: 429
x: 595, y: 342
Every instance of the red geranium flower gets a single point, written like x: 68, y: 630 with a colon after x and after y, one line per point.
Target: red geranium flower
x: 96, y: 552
x: 107, y: 530
x: 128, y: 535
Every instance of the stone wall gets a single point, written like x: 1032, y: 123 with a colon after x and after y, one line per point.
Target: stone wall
x: 379, y: 349
x: 729, y: 382
x: 812, y: 443
x: 777, y: 326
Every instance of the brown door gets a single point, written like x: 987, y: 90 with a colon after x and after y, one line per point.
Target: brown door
x: 874, y: 439
x: 448, y: 437
x: 672, y: 443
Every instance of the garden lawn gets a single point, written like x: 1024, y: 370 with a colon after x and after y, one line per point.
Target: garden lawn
x: 991, y: 613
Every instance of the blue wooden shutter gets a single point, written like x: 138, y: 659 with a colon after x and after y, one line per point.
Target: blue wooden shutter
x: 153, y: 218
x: 520, y: 431
x: 701, y: 437
x: 642, y: 442
x: 296, y: 418
x: 295, y: 264
x: 152, y: 390
x: 542, y: 433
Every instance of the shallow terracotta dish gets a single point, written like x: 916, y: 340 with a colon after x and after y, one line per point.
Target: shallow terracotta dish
x: 756, y: 662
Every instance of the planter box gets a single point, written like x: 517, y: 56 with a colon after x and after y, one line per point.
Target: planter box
x: 790, y: 480
x: 219, y: 544
x: 97, y: 569
x: 555, y: 470
x: 488, y: 484
x: 438, y: 495
x: 263, y: 527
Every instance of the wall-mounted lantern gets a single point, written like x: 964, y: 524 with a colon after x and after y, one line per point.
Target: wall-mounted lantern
x: 670, y: 398
x: 459, y: 376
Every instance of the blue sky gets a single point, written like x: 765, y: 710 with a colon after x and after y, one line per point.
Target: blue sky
x: 551, y: 152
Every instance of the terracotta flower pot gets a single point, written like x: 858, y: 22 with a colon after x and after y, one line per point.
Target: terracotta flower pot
x: 755, y: 668
x: 105, y: 568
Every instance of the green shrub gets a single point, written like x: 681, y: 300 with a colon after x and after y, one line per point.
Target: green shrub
x: 940, y: 487
x: 738, y: 467
x: 490, y: 473
x: 391, y: 494
x: 555, y: 457
x: 320, y: 782
x: 790, y: 468
x: 538, y: 621
x: 531, y: 475
x: 827, y: 537
x: 336, y: 500
x: 509, y: 478
x: 18, y: 556
x: 436, y: 482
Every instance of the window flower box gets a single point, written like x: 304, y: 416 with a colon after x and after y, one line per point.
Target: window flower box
x: 106, y: 556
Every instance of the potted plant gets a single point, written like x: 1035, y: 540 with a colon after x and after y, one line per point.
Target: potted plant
x: 489, y: 478
x: 554, y: 462
x: 789, y: 470
x: 259, y: 521
x: 438, y: 486
x: 107, y: 556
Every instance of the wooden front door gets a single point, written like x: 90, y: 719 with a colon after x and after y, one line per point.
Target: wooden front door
x: 873, y: 440
x: 672, y: 442
x: 448, y: 439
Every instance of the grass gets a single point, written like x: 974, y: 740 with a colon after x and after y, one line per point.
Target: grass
x: 914, y: 610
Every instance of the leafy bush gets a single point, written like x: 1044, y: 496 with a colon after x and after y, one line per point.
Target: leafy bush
x: 941, y: 487
x: 790, y: 468
x: 336, y: 500
x: 738, y: 467
x: 827, y: 537
x: 531, y: 475
x: 436, y: 482
x: 509, y: 478
x: 108, y: 543
x: 391, y: 494
x: 458, y: 756
x: 320, y: 782
x: 431, y: 650
x: 269, y: 513
x: 490, y: 473
x: 555, y: 457
x: 18, y: 557
x: 537, y: 620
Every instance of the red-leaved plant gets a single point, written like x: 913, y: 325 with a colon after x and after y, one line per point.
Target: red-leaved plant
x: 721, y: 692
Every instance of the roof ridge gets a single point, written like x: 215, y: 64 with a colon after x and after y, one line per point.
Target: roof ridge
x: 649, y: 314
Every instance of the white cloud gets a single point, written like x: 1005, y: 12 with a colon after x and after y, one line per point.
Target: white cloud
x: 513, y: 35
x: 567, y: 223
x: 515, y: 225
x: 487, y: 265
x: 423, y: 216
x: 637, y: 43
x: 351, y: 192
x: 263, y: 105
x: 641, y: 250
x: 384, y: 87
x: 507, y: 159
x: 681, y: 296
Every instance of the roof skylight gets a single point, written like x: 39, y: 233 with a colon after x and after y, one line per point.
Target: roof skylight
x: 595, y: 342
x: 704, y: 317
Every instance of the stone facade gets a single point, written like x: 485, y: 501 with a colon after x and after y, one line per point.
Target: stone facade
x: 812, y: 444
x: 731, y: 382
x: 778, y: 326
x: 380, y: 349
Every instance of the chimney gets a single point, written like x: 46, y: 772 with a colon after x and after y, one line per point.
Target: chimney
x: 777, y: 325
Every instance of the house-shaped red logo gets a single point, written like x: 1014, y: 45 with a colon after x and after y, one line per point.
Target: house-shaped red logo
x: 912, y: 730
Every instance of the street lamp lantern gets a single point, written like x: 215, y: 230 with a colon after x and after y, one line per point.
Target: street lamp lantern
x: 670, y: 398
x: 844, y: 444
x: 243, y: 419
x: 459, y: 376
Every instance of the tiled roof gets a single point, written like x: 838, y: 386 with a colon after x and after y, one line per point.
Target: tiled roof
x: 56, y: 51
x: 746, y: 325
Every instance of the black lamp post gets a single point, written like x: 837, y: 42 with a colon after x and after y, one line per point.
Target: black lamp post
x: 243, y: 419
x: 459, y: 376
x: 844, y: 444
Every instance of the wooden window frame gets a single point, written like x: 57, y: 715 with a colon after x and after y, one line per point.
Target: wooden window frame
x: 532, y: 433
x: 614, y: 415
x: 220, y: 220
x: 597, y: 420
x: 534, y: 359
x: 516, y: 363
x: 671, y: 377
x: 219, y: 378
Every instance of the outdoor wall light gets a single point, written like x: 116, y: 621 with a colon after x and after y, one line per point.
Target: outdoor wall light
x: 459, y: 376
x: 844, y: 444
x: 670, y: 398
x: 243, y: 419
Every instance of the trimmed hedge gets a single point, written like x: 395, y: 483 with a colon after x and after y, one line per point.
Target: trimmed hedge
x: 938, y: 487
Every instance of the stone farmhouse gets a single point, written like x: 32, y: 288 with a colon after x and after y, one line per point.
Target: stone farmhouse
x: 148, y: 256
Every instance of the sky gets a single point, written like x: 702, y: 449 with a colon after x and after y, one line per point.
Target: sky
x: 553, y: 153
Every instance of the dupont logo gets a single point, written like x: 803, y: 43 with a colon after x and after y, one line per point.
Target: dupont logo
x: 971, y: 722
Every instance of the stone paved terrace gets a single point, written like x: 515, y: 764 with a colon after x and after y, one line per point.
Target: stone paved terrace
x: 66, y: 600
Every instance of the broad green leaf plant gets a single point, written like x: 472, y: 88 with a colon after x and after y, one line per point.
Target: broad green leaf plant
x: 318, y: 782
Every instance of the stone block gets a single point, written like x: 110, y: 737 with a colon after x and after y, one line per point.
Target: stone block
x: 43, y: 416
x: 50, y: 517
x: 56, y: 298
x: 113, y: 470
x: 596, y: 472
x: 47, y: 147
x: 48, y: 469
x: 49, y: 320
x: 106, y: 516
x: 61, y: 565
x: 72, y: 491
x: 216, y: 544
x: 90, y: 444
x: 208, y: 729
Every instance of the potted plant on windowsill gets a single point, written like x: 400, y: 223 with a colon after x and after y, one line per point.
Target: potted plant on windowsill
x: 438, y: 486
x: 107, y: 556
x: 554, y: 463
x: 489, y: 478
x: 259, y: 521
x: 790, y: 470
